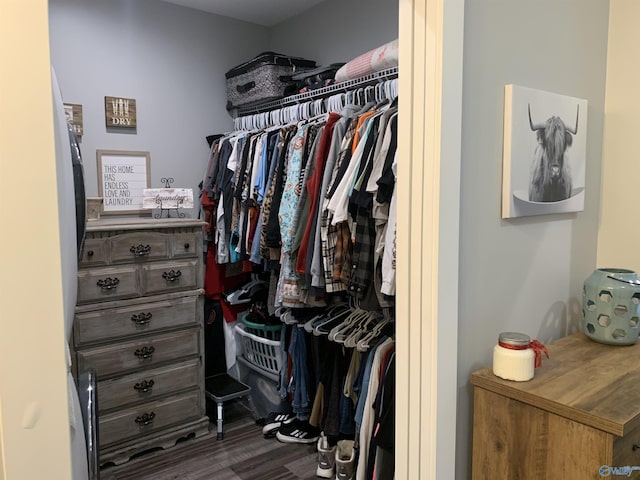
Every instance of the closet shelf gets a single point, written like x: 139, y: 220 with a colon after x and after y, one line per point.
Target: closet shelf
x: 387, y: 74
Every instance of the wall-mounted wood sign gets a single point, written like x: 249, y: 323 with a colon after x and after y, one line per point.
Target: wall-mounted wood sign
x: 73, y: 112
x: 122, y: 177
x: 120, y: 112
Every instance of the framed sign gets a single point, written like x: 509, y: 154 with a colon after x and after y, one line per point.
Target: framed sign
x: 544, y: 152
x: 122, y: 177
x: 73, y: 112
x: 120, y: 112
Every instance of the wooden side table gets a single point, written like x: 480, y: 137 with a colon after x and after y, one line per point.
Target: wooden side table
x: 578, y: 418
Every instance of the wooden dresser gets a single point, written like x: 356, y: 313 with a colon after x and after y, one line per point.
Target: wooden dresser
x: 139, y: 325
x: 578, y: 418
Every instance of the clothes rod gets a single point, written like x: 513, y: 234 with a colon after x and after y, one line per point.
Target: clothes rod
x: 387, y: 74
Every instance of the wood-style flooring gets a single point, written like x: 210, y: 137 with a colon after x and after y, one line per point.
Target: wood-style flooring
x: 243, y: 454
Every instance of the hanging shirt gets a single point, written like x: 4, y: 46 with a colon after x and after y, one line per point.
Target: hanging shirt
x: 313, y: 188
x: 389, y: 256
x: 316, y: 268
x: 287, y: 212
x: 338, y: 204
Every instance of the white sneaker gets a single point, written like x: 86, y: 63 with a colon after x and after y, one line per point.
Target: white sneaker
x: 345, y: 460
x: 326, y: 458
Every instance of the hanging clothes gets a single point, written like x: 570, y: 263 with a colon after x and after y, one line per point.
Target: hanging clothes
x: 313, y: 202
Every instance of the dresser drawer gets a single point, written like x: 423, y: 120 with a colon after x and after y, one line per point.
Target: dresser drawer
x: 184, y: 245
x: 148, y: 417
x: 148, y: 385
x: 94, y: 252
x: 145, y: 352
x: 139, y: 246
x: 169, y: 276
x: 626, y: 451
x: 111, y: 283
x: 130, y: 320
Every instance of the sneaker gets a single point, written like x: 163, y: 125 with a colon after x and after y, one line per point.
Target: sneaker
x: 298, y: 431
x: 274, y: 421
x: 345, y: 460
x: 326, y: 458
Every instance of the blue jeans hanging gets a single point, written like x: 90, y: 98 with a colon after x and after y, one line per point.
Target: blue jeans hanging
x: 299, y: 382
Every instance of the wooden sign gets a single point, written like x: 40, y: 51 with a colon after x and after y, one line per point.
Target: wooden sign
x: 122, y: 178
x: 120, y: 112
x: 73, y: 112
x: 165, y: 198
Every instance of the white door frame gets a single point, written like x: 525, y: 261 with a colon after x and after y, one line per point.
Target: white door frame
x: 431, y: 44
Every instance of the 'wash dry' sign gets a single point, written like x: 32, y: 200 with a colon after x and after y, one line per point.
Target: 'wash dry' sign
x: 120, y: 112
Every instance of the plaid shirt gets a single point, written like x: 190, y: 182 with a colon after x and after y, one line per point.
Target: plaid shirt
x: 334, y: 245
x: 362, y: 261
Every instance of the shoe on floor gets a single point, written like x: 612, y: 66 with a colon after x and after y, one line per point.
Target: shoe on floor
x: 326, y: 458
x: 345, y: 460
x: 298, y: 431
x: 274, y: 421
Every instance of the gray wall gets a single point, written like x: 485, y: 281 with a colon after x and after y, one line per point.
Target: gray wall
x: 525, y: 274
x: 171, y: 59
x: 337, y: 30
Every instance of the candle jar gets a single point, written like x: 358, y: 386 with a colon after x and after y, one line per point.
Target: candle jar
x: 513, y: 357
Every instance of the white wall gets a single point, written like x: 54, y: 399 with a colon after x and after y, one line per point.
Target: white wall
x: 337, y: 30
x: 170, y: 59
x: 619, y: 229
x: 525, y: 274
x: 34, y: 412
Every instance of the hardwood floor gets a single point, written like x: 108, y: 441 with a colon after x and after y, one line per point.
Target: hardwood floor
x: 243, y: 454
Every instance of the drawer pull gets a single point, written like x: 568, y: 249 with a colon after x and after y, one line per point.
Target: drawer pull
x: 144, y: 386
x: 108, y: 283
x: 635, y: 447
x: 145, y: 353
x: 141, y: 318
x: 186, y: 246
x: 172, y: 275
x: 140, y: 250
x: 145, y: 419
x: 90, y: 253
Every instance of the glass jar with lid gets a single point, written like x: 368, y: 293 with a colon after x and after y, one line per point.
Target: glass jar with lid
x: 513, y: 357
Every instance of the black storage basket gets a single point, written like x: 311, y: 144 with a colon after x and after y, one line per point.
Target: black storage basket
x: 264, y: 78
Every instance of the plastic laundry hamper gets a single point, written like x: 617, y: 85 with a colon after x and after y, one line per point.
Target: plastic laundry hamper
x: 261, y: 353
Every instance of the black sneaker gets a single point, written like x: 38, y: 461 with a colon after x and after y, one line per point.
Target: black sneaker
x: 298, y: 431
x: 274, y: 421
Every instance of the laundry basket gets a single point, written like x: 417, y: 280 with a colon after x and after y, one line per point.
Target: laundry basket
x: 270, y: 332
x: 258, y: 351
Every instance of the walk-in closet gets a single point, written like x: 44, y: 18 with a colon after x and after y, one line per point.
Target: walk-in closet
x: 297, y: 198
x: 105, y: 54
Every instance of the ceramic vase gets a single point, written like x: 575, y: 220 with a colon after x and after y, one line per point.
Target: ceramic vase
x: 611, y: 306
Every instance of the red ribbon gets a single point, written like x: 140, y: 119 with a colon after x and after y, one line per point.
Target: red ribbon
x: 538, y: 350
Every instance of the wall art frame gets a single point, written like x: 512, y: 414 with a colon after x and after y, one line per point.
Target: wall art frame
x: 122, y: 177
x: 120, y: 112
x: 544, y: 152
x: 73, y: 114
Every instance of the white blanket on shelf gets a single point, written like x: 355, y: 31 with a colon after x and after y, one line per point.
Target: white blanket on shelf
x: 381, y: 58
